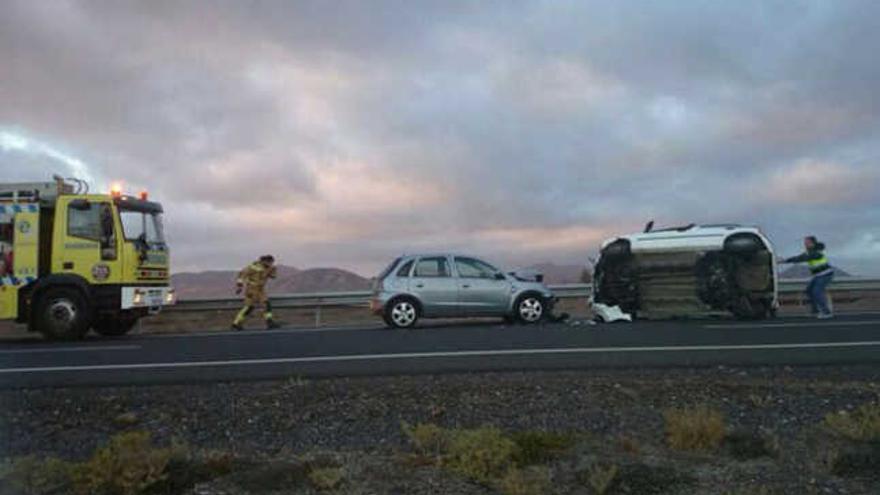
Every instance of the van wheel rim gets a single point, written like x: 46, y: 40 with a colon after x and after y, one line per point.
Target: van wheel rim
x: 62, y: 312
x: 403, y: 314
x: 531, y: 309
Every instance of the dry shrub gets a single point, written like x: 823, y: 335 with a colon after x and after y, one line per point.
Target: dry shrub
x: 481, y: 454
x: 325, y: 478
x: 536, y: 447
x: 699, y: 428
x: 33, y: 476
x: 427, y: 439
x: 128, y: 465
x: 530, y: 481
x: 600, y: 477
x: 861, y: 425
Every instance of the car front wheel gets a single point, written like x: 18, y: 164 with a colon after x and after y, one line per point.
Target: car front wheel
x: 530, y: 308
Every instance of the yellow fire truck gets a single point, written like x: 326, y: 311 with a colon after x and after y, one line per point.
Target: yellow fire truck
x: 71, y: 261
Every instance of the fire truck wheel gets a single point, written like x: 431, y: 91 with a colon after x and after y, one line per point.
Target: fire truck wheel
x: 114, y: 327
x: 62, y: 314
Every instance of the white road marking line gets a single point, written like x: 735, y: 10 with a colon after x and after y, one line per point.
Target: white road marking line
x: 446, y: 354
x: 227, y: 333
x: 819, y: 323
x: 71, y: 349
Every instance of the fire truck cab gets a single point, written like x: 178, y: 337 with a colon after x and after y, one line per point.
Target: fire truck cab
x: 71, y: 261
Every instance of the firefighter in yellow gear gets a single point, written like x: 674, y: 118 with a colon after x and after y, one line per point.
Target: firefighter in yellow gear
x: 252, y: 281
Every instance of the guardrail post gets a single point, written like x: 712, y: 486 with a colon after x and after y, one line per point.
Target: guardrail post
x: 318, y: 313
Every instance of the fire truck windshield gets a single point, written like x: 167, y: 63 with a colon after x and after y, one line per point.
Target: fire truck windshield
x: 142, y: 225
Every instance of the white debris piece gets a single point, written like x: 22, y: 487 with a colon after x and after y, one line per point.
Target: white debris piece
x: 610, y: 314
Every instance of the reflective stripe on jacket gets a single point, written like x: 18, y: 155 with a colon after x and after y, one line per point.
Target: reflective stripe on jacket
x: 814, y: 258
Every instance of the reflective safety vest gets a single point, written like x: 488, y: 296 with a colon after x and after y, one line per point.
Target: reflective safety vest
x: 818, y: 265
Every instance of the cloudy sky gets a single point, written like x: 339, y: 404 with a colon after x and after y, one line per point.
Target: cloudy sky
x: 341, y: 133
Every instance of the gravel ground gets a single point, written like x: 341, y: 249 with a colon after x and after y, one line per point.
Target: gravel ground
x: 359, y: 420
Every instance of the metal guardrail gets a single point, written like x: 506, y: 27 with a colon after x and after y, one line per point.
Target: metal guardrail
x: 564, y: 291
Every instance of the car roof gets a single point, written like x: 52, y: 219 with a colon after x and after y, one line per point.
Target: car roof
x: 428, y: 255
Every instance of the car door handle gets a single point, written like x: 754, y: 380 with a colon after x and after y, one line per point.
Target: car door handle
x: 465, y: 286
x: 419, y: 286
x: 67, y: 265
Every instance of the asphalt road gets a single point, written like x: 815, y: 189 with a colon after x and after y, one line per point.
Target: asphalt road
x: 142, y: 359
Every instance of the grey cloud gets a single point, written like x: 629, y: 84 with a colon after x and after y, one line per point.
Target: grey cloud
x: 521, y: 116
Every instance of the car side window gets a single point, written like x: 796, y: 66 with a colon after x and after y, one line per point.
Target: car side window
x: 432, y: 267
x: 471, y: 268
x: 405, y: 269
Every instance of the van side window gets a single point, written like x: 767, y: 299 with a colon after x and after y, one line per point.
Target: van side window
x: 432, y: 267
x: 405, y: 269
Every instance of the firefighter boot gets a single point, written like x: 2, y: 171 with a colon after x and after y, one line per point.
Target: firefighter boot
x: 271, y: 324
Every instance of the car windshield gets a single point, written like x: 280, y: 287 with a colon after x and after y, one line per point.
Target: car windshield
x: 142, y: 225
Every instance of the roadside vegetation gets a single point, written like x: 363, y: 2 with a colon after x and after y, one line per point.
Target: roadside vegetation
x: 698, y: 428
x: 129, y: 464
x: 318, y: 437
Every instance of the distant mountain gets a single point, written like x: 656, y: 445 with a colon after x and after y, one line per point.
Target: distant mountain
x: 562, y: 274
x: 802, y: 271
x: 221, y: 283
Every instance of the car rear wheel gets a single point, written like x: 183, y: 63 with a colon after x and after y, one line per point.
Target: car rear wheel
x: 530, y: 308
x: 402, y: 313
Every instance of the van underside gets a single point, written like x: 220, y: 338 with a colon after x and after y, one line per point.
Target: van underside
x: 737, y: 280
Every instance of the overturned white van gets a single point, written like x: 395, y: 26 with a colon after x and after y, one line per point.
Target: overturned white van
x: 688, y: 271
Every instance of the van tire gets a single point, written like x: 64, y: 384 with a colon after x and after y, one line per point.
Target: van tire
x: 62, y: 314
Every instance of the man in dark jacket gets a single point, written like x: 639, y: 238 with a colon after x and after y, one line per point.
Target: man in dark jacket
x: 821, y: 274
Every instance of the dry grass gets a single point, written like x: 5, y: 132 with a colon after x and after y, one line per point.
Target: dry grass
x: 326, y: 478
x: 863, y: 424
x: 600, y: 477
x: 482, y: 454
x: 536, y: 446
x: 486, y: 455
x: 427, y: 439
x: 698, y: 428
x: 128, y: 465
x: 530, y: 481
x: 33, y: 476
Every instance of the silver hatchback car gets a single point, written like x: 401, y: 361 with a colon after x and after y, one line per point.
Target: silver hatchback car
x: 452, y: 285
